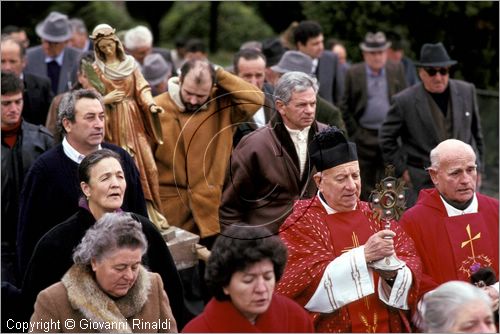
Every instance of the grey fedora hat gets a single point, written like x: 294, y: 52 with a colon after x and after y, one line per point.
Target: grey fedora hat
x: 55, y: 28
x: 434, y: 55
x: 294, y: 61
x: 155, y: 68
x: 375, y: 42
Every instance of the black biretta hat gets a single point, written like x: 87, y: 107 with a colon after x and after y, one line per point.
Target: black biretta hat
x: 330, y: 148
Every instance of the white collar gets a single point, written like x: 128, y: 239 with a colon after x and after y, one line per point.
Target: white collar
x: 329, y: 209
x: 298, y: 134
x: 452, y: 211
x: 58, y: 59
x: 71, y: 153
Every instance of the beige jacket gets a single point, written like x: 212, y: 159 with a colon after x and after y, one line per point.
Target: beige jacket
x: 193, y: 159
x: 78, y: 305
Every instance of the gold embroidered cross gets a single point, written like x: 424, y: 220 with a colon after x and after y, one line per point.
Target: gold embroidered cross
x: 355, y: 243
x: 464, y: 243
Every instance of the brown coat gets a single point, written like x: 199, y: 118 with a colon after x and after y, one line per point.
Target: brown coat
x: 193, y: 159
x: 78, y: 305
x: 264, y: 179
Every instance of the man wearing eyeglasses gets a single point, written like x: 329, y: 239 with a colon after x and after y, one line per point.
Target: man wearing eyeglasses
x: 427, y: 113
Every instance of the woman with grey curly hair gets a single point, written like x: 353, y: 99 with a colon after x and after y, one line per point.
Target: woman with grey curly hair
x: 243, y: 268
x: 107, y: 289
x: 456, y: 307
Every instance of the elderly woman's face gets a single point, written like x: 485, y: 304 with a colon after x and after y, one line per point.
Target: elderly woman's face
x: 474, y: 317
x: 117, y: 272
x: 251, y: 289
x: 106, y: 186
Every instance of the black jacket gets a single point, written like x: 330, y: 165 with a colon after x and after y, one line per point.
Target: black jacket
x: 37, y: 97
x: 50, y: 195
x: 32, y: 141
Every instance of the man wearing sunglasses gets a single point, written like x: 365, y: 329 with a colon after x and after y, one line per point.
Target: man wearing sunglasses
x: 427, y: 113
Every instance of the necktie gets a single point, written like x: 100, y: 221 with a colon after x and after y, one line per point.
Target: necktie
x: 53, y: 70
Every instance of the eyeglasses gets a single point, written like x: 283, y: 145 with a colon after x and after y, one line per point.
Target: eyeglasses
x: 432, y: 71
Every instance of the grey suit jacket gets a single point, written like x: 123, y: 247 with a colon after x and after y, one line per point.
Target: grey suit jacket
x: 356, y: 92
x: 410, y: 121
x: 36, y: 65
x: 330, y: 77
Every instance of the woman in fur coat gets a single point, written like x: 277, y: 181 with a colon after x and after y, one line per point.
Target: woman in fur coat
x: 107, y: 289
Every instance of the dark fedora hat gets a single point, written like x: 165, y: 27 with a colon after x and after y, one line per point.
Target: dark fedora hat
x: 55, y: 28
x: 375, y: 42
x: 434, y: 55
x: 273, y: 50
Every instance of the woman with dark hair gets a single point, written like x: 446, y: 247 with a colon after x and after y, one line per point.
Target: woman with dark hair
x: 131, y: 115
x: 107, y: 289
x: 244, y: 266
x: 103, y: 185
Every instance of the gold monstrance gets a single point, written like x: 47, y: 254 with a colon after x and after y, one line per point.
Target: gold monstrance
x: 388, y: 202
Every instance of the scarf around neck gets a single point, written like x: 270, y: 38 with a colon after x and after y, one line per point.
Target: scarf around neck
x: 124, y: 69
x: 85, y: 295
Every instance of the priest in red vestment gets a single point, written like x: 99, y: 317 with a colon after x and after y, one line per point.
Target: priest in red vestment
x: 455, y: 229
x: 332, y: 241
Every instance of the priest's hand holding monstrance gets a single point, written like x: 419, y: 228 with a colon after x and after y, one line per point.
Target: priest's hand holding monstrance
x: 388, y: 203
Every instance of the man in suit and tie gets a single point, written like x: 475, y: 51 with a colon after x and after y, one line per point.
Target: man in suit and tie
x: 369, y: 87
x: 427, y: 113
x: 37, y: 93
x: 308, y: 37
x: 54, y: 59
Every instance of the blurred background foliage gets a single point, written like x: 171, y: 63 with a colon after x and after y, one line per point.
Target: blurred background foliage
x: 468, y: 29
x: 236, y: 22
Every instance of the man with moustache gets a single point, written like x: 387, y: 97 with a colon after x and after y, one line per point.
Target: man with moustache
x: 202, y: 107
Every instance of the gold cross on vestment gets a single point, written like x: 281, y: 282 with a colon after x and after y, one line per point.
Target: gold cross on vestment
x: 464, y: 243
x: 355, y: 243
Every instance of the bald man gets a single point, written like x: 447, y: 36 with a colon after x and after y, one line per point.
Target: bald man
x: 455, y: 229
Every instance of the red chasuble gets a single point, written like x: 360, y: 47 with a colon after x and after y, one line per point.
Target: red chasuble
x: 452, y: 247
x: 282, y: 316
x: 314, y: 239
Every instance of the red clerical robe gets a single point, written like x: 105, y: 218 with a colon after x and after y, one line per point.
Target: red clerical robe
x: 450, y: 247
x: 315, y: 240
x: 282, y: 316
